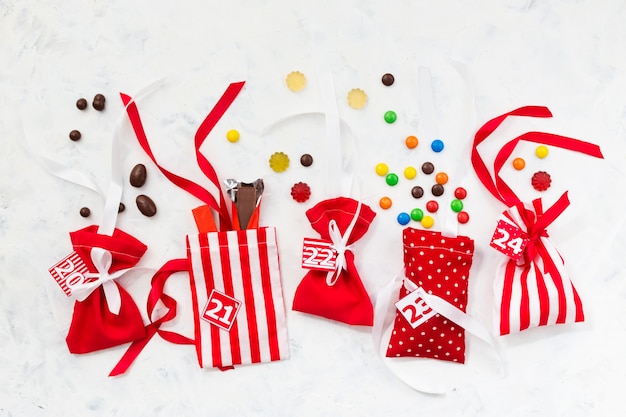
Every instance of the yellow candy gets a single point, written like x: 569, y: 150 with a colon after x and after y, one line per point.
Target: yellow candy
x: 541, y: 151
x: 410, y: 173
x: 357, y: 98
x: 279, y: 161
x: 232, y: 135
x: 296, y: 81
x: 382, y: 169
x: 428, y: 222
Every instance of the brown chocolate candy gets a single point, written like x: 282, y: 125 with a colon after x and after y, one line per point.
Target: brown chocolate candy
x: 437, y: 190
x: 138, y: 175
x: 306, y: 160
x: 417, y: 191
x: 81, y: 104
x: 428, y: 168
x: 145, y: 205
x: 85, y: 212
x: 98, y: 102
x: 75, y: 135
x: 388, y: 79
x: 121, y: 208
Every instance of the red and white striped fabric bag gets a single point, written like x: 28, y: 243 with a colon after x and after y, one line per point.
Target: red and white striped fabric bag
x: 243, y: 266
x: 237, y: 301
x: 532, y: 287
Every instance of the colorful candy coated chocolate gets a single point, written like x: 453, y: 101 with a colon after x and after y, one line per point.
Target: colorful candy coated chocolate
x: 541, y: 151
x: 437, y: 145
x: 456, y: 205
x: 385, y: 203
x: 391, y: 179
x: 390, y: 116
x: 403, y: 218
x: 463, y: 217
x: 232, y: 135
x: 410, y: 173
x: 460, y: 193
x: 417, y: 214
x: 382, y: 169
x: 428, y: 222
x: 432, y: 206
x: 411, y: 142
x: 441, y: 178
x: 519, y: 164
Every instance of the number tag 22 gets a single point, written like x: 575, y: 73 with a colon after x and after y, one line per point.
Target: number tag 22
x: 509, y: 239
x: 319, y: 255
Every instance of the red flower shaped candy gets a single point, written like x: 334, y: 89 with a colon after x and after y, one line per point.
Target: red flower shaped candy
x: 541, y: 181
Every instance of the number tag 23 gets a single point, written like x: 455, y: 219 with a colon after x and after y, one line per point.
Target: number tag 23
x: 414, y: 309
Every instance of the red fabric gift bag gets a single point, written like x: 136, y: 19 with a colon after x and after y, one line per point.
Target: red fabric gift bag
x: 94, y: 326
x: 534, y: 289
x: 337, y: 295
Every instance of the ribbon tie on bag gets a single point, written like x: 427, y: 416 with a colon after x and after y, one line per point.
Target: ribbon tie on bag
x: 534, y: 223
x: 339, y: 245
x: 102, y: 261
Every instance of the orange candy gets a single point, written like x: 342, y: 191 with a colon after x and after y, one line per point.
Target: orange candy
x: 411, y: 142
x: 385, y: 203
x: 441, y: 178
x: 519, y: 163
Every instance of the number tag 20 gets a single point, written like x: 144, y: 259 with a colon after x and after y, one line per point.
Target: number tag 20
x: 221, y: 310
x: 509, y: 239
x: 414, y: 309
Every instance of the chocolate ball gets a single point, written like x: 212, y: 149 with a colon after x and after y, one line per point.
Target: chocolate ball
x: 98, y: 102
x: 85, y: 212
x: 428, y: 168
x: 437, y: 190
x: 306, y: 160
x: 81, y: 104
x: 417, y: 192
x: 121, y: 208
x: 388, y: 79
x: 75, y: 135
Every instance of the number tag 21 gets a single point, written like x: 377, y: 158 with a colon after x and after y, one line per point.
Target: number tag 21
x: 221, y: 310
x: 509, y: 239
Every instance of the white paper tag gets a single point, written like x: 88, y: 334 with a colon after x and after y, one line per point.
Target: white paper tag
x: 69, y: 272
x: 509, y: 239
x: 221, y: 310
x: 414, y: 309
x: 319, y: 255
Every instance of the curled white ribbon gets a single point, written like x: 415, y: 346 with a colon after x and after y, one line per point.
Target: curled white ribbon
x: 339, y: 244
x: 102, y: 260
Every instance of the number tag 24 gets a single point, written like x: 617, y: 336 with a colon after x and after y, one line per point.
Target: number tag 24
x: 414, y: 309
x: 509, y: 239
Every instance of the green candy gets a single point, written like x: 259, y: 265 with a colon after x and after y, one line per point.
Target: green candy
x: 417, y: 214
x: 390, y: 116
x: 392, y: 179
x: 456, y: 205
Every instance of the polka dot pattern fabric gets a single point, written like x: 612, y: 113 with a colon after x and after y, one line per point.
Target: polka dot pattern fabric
x: 440, y: 265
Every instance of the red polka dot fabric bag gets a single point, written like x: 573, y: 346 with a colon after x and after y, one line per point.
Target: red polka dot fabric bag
x: 440, y: 266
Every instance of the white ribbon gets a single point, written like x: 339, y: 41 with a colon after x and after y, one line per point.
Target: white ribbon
x: 339, y: 244
x: 102, y: 260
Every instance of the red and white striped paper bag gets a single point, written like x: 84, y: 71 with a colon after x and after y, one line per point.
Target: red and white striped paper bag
x: 239, y: 311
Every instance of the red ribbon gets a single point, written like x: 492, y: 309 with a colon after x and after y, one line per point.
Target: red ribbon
x: 156, y: 294
x: 201, y: 134
x: 499, y: 188
x: 535, y: 221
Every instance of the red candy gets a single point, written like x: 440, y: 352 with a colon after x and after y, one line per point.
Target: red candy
x: 300, y: 192
x: 432, y: 206
x: 541, y: 181
x: 463, y: 217
x: 460, y: 193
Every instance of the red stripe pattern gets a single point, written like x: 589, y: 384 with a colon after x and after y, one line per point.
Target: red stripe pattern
x: 70, y: 270
x: 242, y: 264
x: 536, y: 291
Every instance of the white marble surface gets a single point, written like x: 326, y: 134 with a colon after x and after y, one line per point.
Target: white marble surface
x: 486, y: 58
